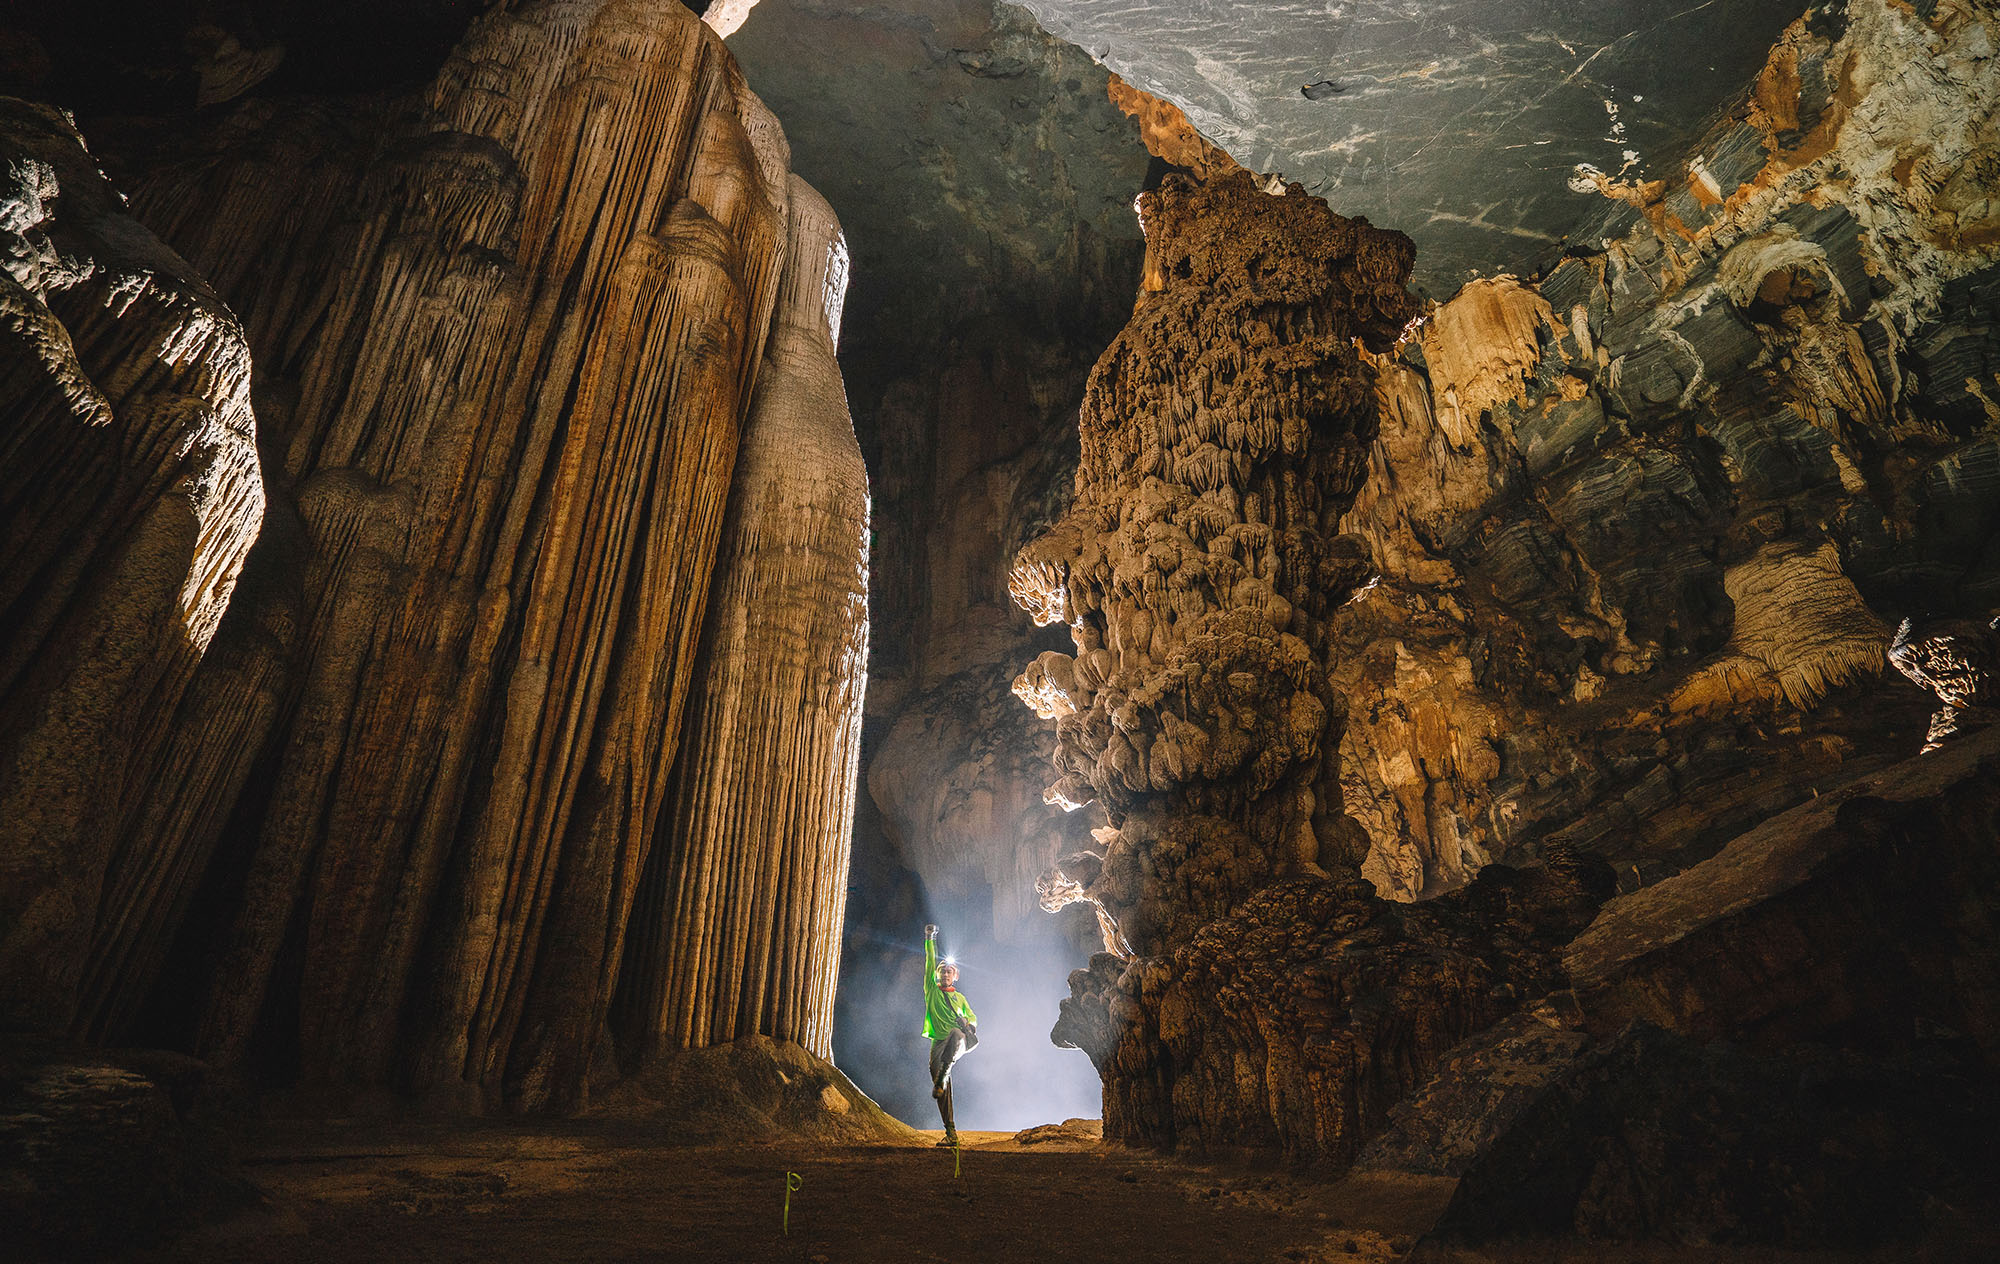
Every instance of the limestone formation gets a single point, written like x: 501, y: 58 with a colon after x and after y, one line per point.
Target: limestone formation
x: 1665, y: 504
x: 1222, y: 437
x: 129, y: 497
x: 1958, y: 660
x: 505, y: 336
x: 736, y: 930
x: 1167, y: 134
x: 1292, y: 1025
x: 1636, y: 525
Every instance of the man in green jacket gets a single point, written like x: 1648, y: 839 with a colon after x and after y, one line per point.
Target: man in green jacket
x: 950, y: 1024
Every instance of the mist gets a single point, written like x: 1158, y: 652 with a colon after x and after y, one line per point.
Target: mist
x: 1016, y: 1077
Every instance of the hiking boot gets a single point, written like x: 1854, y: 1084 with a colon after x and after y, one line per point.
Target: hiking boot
x: 950, y: 1140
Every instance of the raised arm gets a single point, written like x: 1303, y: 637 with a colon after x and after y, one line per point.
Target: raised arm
x: 933, y: 994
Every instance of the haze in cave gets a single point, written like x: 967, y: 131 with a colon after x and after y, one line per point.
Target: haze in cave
x: 1412, y: 590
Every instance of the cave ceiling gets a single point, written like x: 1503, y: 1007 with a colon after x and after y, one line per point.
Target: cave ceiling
x: 1460, y: 122
x: 958, y: 141
x: 959, y: 133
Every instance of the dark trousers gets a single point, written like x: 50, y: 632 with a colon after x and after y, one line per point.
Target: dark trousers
x: 945, y: 1051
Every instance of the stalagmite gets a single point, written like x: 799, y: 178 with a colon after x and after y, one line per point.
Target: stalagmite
x: 1224, y: 432
x: 737, y: 928
x: 1254, y: 992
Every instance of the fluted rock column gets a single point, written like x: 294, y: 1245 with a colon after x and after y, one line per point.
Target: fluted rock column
x: 129, y: 496
x: 737, y: 928
x: 510, y: 331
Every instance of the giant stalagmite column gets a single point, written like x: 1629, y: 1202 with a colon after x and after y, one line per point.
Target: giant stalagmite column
x: 508, y: 331
x: 737, y: 927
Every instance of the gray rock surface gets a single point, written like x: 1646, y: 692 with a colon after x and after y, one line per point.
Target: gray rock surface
x: 1460, y: 123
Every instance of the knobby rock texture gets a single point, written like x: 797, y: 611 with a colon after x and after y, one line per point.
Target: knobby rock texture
x: 1254, y: 993
x: 506, y: 336
x: 1224, y: 433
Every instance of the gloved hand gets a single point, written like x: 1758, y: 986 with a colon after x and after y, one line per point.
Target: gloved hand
x: 930, y: 932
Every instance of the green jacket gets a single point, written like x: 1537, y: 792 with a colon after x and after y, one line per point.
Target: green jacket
x: 942, y: 1010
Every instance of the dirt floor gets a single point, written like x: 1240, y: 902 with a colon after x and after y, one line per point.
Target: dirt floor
x: 597, y: 1192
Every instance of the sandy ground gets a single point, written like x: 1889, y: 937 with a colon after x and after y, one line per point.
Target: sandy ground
x: 598, y: 1192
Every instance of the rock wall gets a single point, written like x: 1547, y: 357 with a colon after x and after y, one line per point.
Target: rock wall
x: 129, y: 496
x: 505, y: 334
x: 1666, y: 505
x: 1637, y: 532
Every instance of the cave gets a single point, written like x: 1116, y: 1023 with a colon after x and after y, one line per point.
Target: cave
x: 1408, y: 594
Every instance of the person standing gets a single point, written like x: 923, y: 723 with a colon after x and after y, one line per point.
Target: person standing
x: 950, y: 1024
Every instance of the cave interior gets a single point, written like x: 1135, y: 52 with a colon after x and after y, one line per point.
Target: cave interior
x: 1414, y: 589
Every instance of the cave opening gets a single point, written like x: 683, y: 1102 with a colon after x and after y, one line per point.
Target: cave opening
x: 985, y: 180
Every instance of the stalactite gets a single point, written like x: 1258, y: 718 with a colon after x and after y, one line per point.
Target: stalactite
x: 737, y: 928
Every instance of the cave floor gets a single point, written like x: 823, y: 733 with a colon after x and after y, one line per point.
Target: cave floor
x: 340, y: 1192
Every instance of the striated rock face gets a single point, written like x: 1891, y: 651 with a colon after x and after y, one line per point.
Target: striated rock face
x: 1667, y: 504
x: 737, y: 925
x: 506, y: 335
x: 1222, y: 436
x: 539, y: 646
x: 129, y: 497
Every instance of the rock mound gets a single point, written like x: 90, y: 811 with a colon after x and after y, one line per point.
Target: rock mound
x: 757, y: 1089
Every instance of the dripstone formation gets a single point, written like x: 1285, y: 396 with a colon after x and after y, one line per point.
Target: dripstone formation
x: 129, y: 497
x: 1643, y: 529
x: 1223, y: 434
x: 737, y: 926
x: 506, y: 338
x: 1254, y: 993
